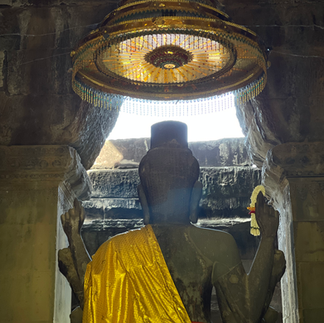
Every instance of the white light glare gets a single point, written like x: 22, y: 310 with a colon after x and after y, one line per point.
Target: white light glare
x: 201, y: 127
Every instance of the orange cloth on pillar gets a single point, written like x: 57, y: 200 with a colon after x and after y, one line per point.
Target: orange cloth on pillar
x: 128, y: 281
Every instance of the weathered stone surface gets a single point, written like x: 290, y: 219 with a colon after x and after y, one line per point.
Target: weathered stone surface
x: 220, y: 153
x: 37, y: 185
x: 293, y: 174
x: 108, y: 157
x: 38, y: 105
x: 28, y: 166
x: 114, y: 151
x: 114, y: 183
x: 239, y: 228
x: 226, y: 190
x: 92, y: 131
x: 2, y: 61
x: 214, y: 153
x: 113, y: 208
x: 289, y: 109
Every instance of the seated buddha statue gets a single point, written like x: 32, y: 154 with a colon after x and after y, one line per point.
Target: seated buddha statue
x: 165, y: 271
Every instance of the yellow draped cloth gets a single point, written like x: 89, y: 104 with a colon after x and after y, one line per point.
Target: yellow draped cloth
x: 128, y: 281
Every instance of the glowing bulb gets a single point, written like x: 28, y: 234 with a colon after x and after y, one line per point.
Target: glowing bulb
x: 169, y: 66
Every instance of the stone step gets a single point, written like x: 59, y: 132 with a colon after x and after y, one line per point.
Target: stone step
x: 226, y: 192
x: 113, y: 208
x: 217, y: 181
x: 114, y: 183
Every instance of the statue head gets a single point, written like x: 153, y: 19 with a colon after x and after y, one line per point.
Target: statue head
x: 169, y: 191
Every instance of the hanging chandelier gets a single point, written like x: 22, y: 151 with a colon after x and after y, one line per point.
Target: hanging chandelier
x: 167, y: 51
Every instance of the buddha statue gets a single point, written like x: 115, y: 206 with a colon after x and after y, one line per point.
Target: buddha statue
x: 165, y: 271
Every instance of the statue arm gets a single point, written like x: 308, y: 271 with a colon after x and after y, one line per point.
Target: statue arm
x: 245, y: 297
x: 74, y: 259
x: 278, y: 269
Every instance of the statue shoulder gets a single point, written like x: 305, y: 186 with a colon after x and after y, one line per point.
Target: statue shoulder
x: 120, y: 241
x: 212, y: 236
x: 216, y: 245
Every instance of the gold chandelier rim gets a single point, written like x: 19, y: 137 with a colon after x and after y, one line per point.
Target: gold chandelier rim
x: 128, y: 28
x: 158, y: 5
x: 100, y: 85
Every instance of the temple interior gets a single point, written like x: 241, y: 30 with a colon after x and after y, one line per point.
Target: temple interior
x: 50, y: 140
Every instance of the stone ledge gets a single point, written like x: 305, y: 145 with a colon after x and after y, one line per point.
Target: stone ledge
x: 226, y: 192
x: 23, y: 166
x: 297, y: 159
x: 218, y: 182
x: 289, y: 161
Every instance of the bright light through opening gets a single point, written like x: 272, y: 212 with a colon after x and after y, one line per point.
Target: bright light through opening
x: 203, y: 127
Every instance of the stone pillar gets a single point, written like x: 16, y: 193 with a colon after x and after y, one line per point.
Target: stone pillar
x: 294, y: 178
x: 37, y: 184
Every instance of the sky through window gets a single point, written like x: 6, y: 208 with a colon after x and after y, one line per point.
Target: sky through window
x: 203, y: 127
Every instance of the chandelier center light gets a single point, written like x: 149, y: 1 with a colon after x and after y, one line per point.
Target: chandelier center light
x: 168, y: 57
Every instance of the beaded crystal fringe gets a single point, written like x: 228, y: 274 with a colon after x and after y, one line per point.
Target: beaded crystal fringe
x: 179, y: 108
x: 98, y: 99
x: 250, y: 91
x: 164, y: 108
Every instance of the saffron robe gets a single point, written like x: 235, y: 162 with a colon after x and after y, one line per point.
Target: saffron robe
x: 128, y: 281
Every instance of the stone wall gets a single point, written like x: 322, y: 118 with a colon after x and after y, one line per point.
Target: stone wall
x: 227, y: 186
x: 38, y: 106
x: 226, y: 192
x: 125, y: 153
x: 226, y: 175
